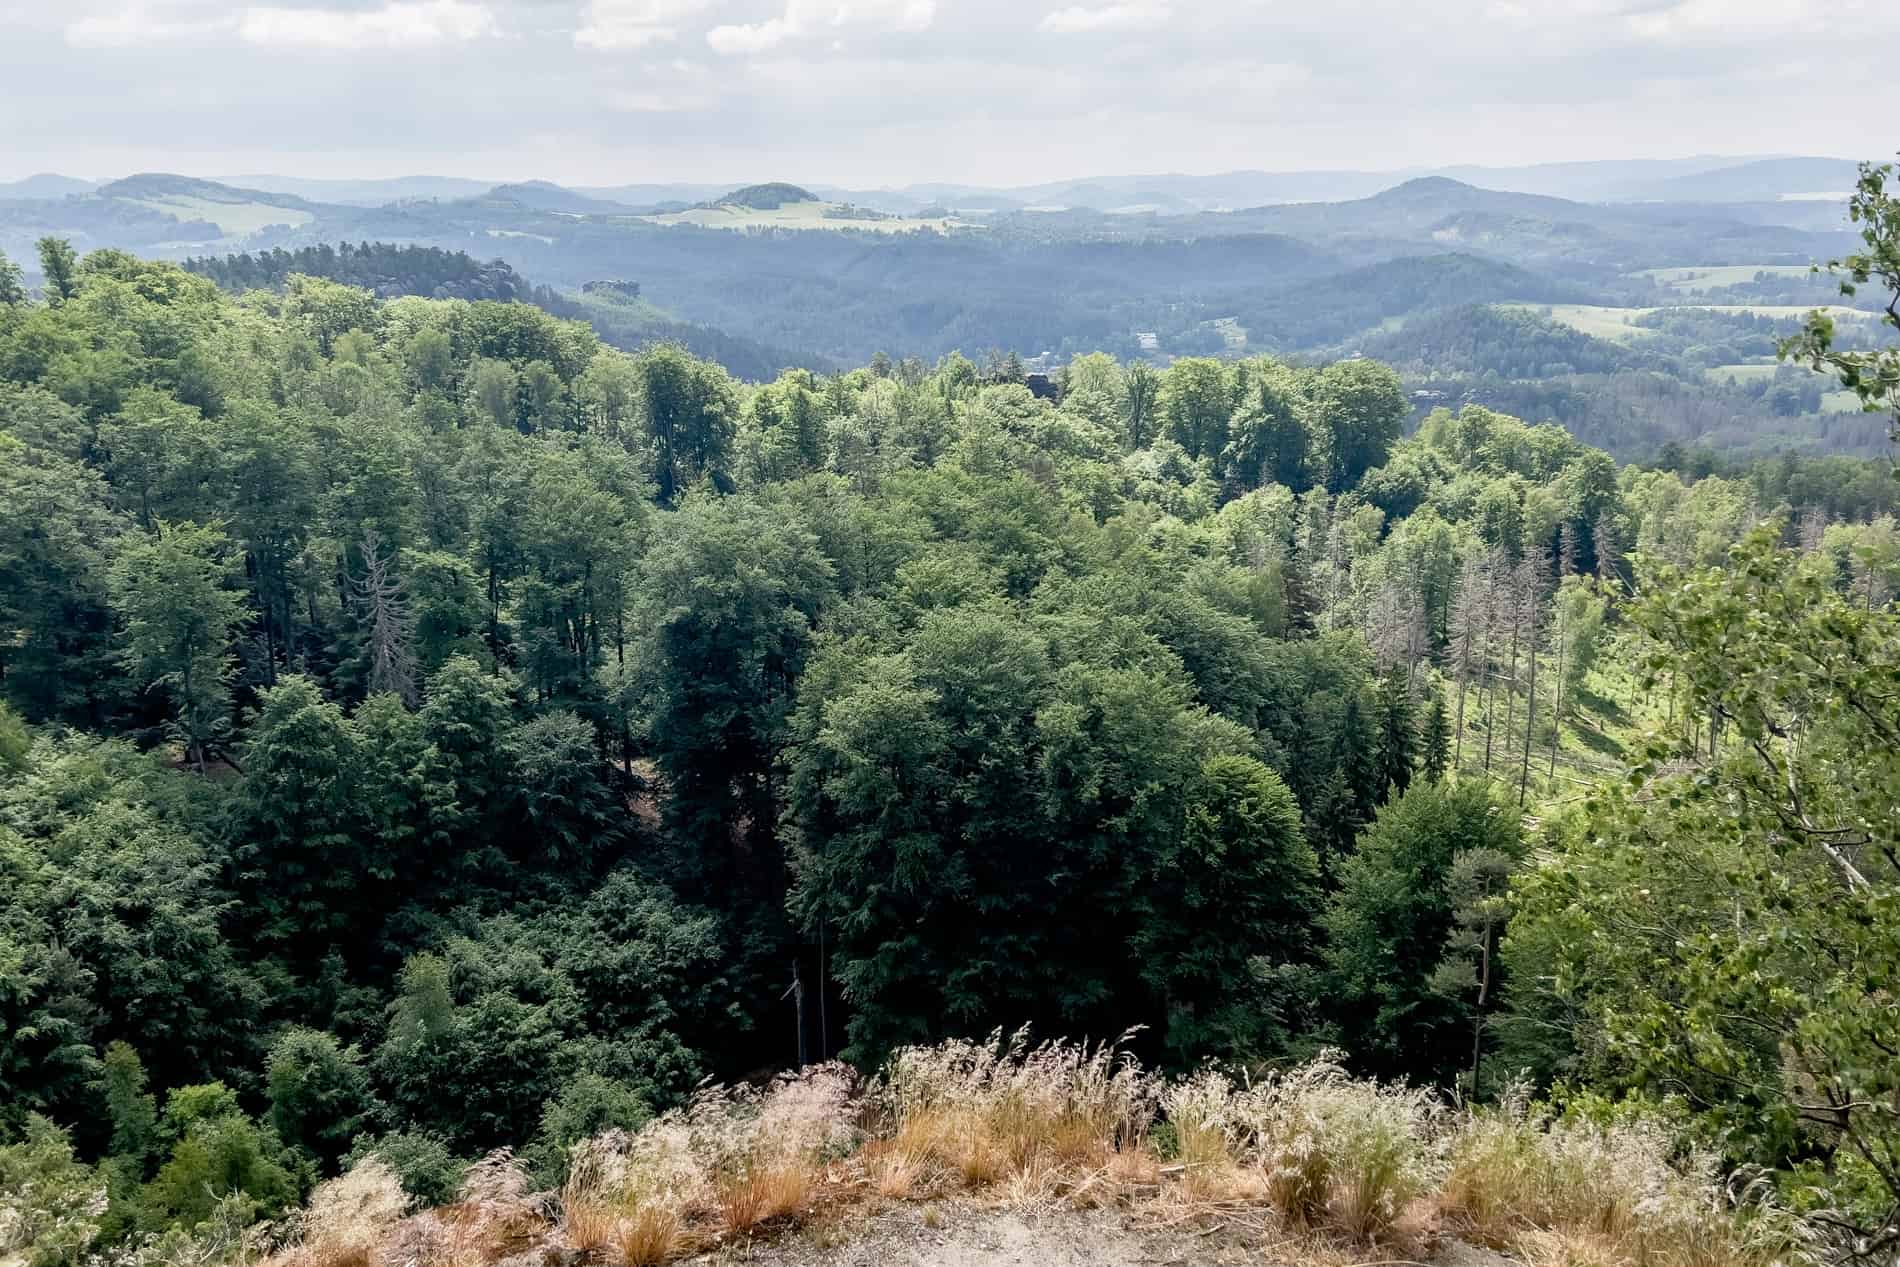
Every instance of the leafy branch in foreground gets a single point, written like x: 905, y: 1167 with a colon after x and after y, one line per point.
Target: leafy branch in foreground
x: 1729, y: 919
x: 1873, y: 375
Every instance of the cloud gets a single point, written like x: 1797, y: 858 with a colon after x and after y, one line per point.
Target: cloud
x: 657, y: 102
x: 1113, y: 17
x: 137, y: 25
x: 397, y: 24
x: 1720, y: 19
x: 750, y: 37
x: 846, y: 91
x: 624, y: 24
x: 804, y: 18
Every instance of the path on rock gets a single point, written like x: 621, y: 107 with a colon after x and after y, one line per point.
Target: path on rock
x: 961, y: 1235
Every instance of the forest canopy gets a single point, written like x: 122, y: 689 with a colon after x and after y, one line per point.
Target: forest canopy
x: 428, y: 729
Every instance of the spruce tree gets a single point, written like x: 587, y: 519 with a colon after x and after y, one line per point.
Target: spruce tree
x: 1435, y: 740
x: 1398, y: 735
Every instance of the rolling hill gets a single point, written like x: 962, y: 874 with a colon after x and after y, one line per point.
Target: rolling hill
x: 45, y: 185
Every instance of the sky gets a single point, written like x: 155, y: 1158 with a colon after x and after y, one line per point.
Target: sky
x: 871, y: 93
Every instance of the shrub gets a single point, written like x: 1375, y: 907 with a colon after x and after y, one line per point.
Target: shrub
x: 588, y: 1105
x: 49, y: 1203
x: 221, y: 1153
x: 422, y: 1164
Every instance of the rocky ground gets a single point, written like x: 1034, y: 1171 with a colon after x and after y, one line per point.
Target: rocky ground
x: 955, y: 1234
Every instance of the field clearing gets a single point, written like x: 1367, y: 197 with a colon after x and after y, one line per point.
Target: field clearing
x: 798, y: 215
x: 1841, y: 402
x: 234, y: 218
x: 1618, y: 325
x: 1744, y: 373
x: 517, y: 233
x: 1714, y: 277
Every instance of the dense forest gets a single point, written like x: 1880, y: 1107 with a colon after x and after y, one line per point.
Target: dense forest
x: 428, y: 730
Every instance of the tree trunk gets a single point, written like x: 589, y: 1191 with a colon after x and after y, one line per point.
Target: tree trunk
x: 1557, y: 695
x: 1530, y: 709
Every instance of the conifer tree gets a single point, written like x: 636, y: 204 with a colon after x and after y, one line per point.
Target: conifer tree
x: 1398, y: 734
x: 1435, y: 739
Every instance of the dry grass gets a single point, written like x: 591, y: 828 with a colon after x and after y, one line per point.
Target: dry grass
x: 347, y: 1219
x: 1327, y: 1152
x: 1309, y: 1156
x: 894, y: 1168
x: 651, y: 1235
x: 1003, y: 1111
x: 1562, y: 1194
x: 764, y: 1192
x: 589, y: 1225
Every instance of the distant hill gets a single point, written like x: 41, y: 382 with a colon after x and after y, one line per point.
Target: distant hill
x: 769, y: 197
x: 385, y: 268
x: 169, y: 185
x: 367, y: 193
x: 236, y: 212
x: 1765, y: 180
x: 1436, y: 214
x: 543, y: 195
x: 44, y: 185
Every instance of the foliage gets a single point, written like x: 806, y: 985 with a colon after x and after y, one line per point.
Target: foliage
x: 50, y: 1202
x: 1390, y: 920
x: 1724, y: 919
x: 430, y: 732
x: 1872, y: 375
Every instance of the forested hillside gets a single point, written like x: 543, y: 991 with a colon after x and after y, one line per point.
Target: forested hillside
x: 428, y: 730
x: 1648, y: 322
x: 616, y: 311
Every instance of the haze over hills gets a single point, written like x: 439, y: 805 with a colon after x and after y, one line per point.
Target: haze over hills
x: 781, y: 273
x: 1694, y: 179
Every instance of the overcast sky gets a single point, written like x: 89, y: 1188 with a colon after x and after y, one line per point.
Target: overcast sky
x: 885, y: 92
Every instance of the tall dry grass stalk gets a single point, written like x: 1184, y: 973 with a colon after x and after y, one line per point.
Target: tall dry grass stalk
x: 1559, y: 1193
x: 1326, y: 1151
x: 732, y: 1159
x: 349, y: 1217
x: 980, y: 1113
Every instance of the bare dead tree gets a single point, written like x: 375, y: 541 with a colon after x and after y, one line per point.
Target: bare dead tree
x: 1496, y: 608
x: 1532, y: 574
x: 1395, y: 627
x: 1467, y: 634
x: 383, y: 607
x: 1517, y: 603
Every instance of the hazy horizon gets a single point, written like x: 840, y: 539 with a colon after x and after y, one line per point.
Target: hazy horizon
x: 737, y: 179
x: 884, y: 93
